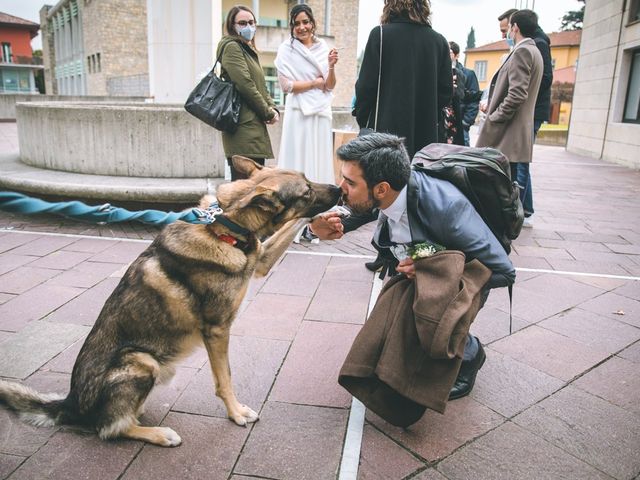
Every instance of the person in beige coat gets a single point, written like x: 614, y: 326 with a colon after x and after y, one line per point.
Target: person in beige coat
x: 512, y: 95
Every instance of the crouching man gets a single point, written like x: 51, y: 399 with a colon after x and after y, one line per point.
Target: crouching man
x: 414, y: 208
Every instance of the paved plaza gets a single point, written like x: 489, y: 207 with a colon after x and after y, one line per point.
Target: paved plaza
x: 558, y: 398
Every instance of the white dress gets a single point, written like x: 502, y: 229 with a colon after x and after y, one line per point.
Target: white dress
x: 306, y: 144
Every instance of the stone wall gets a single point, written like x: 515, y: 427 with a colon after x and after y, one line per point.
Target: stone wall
x: 8, y: 101
x: 128, y: 85
x: 48, y: 54
x: 596, y: 128
x: 117, y: 31
x: 130, y: 140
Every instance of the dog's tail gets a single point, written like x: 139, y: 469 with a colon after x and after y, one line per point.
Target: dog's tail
x: 33, y: 407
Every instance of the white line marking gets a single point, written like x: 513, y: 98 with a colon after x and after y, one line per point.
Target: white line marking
x: 330, y: 254
x: 580, y: 274
x: 355, y: 427
x: 75, y: 235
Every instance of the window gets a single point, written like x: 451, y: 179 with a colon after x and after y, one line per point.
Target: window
x: 634, y: 11
x: 98, y: 65
x: 480, y: 67
x: 632, y: 103
x: 6, y: 52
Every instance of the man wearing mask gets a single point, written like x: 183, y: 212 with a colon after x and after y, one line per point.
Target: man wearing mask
x: 541, y: 112
x: 514, y: 88
x: 469, y: 103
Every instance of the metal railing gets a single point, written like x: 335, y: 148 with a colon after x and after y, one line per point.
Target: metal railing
x: 21, y: 60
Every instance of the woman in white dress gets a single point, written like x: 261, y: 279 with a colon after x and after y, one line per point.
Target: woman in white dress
x: 306, y: 73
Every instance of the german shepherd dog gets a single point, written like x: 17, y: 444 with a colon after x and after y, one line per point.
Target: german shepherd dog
x: 182, y: 291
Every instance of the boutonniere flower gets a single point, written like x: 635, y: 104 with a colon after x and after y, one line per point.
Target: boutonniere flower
x: 424, y: 250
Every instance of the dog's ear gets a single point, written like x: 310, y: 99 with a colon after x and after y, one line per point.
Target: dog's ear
x: 262, y: 197
x: 245, y: 165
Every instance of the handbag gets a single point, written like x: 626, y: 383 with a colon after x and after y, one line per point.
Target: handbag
x: 366, y: 130
x: 215, y: 101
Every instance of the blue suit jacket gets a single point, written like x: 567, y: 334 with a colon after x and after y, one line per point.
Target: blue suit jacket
x: 440, y: 213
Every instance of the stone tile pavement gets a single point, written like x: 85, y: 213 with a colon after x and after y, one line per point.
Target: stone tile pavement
x: 558, y: 398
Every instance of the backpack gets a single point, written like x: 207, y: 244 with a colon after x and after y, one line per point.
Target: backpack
x: 483, y: 175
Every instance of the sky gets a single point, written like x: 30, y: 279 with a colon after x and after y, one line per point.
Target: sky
x: 451, y: 18
x: 454, y: 18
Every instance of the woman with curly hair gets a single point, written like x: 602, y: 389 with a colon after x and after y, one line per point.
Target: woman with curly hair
x: 415, y: 75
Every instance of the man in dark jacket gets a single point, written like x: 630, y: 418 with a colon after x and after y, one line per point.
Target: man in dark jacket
x: 541, y: 113
x: 415, y: 82
x: 471, y: 99
x: 414, y: 208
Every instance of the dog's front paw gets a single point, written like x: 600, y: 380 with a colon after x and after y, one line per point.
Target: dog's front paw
x: 245, y: 415
x: 170, y: 438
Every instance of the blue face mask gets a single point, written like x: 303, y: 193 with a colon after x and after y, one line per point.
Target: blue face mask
x: 510, y: 41
x: 247, y: 32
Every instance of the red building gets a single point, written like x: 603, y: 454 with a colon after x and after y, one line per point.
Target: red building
x: 17, y: 64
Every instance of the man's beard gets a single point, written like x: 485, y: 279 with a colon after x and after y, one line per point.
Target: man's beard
x: 362, y: 207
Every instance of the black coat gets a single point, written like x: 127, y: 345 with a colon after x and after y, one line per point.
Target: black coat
x: 543, y: 102
x: 470, y: 103
x: 416, y: 82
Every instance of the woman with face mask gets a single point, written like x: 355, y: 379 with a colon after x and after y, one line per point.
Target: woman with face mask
x: 240, y: 64
x: 306, y: 72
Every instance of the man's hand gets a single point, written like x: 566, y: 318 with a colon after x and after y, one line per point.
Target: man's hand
x: 328, y: 226
x: 407, y: 267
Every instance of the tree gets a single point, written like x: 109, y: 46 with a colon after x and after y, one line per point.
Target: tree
x: 471, y: 39
x: 572, y: 20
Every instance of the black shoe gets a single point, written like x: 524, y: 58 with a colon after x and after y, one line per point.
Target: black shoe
x: 375, y: 265
x: 467, y: 374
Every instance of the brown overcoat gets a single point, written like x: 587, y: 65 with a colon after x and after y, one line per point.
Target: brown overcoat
x: 408, y: 353
x: 512, y: 101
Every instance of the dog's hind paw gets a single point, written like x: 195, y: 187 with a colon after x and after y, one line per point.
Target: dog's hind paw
x: 171, y: 438
x: 244, y: 416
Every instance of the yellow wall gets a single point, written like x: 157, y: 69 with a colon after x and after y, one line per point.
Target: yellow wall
x: 268, y: 8
x: 564, y: 56
x: 565, y: 113
x: 493, y: 59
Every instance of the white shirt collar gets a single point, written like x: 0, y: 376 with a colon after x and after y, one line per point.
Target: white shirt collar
x: 398, y: 207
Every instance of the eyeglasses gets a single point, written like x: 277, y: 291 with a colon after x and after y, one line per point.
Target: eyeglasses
x: 244, y: 23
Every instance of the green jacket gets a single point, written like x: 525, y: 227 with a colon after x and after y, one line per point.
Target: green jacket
x: 240, y: 64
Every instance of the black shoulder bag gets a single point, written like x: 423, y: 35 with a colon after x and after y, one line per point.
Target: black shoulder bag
x: 215, y: 101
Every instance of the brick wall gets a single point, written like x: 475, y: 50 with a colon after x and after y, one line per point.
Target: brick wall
x: 117, y: 30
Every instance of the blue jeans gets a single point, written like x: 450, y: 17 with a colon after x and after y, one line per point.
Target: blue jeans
x: 466, y: 136
x: 523, y: 177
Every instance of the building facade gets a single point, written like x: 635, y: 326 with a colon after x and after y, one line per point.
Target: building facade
x: 486, y: 59
x: 17, y: 63
x: 95, y: 47
x: 139, y: 47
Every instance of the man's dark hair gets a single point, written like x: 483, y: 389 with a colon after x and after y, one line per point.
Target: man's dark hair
x: 455, y: 48
x: 382, y: 158
x: 507, y: 14
x: 527, y: 21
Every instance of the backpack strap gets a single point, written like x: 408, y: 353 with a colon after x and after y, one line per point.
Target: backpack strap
x: 510, y: 287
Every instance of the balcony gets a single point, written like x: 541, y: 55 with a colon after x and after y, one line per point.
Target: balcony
x: 15, y: 60
x: 268, y: 39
